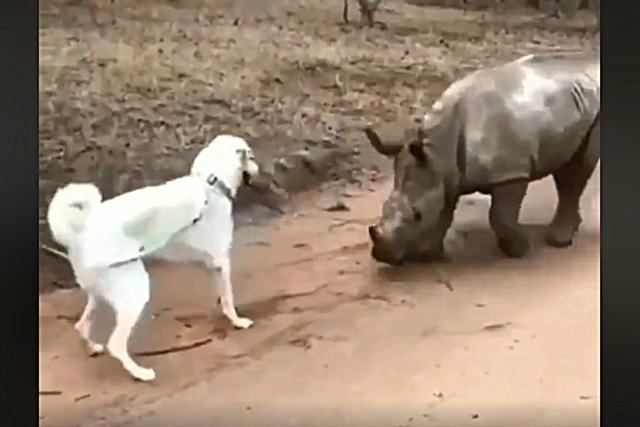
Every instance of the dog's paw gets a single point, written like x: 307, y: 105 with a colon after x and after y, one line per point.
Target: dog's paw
x: 143, y: 374
x: 242, y: 323
x: 95, y: 349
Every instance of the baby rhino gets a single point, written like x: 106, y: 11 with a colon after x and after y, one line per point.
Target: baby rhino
x: 493, y: 132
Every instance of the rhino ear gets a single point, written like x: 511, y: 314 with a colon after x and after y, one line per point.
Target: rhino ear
x: 389, y: 150
x: 417, y: 150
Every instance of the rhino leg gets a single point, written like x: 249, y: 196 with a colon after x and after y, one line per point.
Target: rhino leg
x: 571, y: 181
x: 436, y: 250
x: 506, y: 200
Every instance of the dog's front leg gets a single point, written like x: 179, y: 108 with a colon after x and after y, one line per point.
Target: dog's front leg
x: 225, y: 291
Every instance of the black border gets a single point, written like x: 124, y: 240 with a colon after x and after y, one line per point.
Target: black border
x: 620, y: 294
x: 620, y: 335
x: 19, y: 178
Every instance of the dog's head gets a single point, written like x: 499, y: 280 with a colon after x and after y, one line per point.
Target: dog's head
x: 230, y: 159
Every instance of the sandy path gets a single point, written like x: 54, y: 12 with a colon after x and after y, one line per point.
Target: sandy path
x: 339, y: 340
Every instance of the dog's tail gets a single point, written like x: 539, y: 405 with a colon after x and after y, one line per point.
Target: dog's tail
x: 69, y: 209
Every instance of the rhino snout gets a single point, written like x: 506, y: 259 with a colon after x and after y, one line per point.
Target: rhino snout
x: 382, y: 250
x: 386, y: 255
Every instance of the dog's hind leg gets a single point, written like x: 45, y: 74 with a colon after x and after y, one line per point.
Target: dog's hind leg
x: 117, y: 345
x: 225, y: 290
x: 127, y: 297
x: 83, y: 326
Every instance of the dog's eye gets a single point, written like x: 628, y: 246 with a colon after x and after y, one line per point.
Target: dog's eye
x: 417, y: 215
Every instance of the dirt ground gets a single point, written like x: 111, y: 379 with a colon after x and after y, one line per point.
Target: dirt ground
x: 339, y: 340
x: 481, y: 340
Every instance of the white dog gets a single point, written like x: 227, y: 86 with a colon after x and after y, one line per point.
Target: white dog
x: 187, y: 219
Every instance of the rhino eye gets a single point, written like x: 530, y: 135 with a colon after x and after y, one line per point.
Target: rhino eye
x: 417, y: 215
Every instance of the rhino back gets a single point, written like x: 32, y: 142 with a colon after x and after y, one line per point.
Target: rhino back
x: 527, y: 118
x: 575, y: 63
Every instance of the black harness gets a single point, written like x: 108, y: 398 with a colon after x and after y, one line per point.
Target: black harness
x: 216, y: 183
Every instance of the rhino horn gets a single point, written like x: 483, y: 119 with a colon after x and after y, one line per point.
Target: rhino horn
x: 385, y: 150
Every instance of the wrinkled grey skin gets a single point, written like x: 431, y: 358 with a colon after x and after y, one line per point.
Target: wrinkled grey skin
x: 493, y: 132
